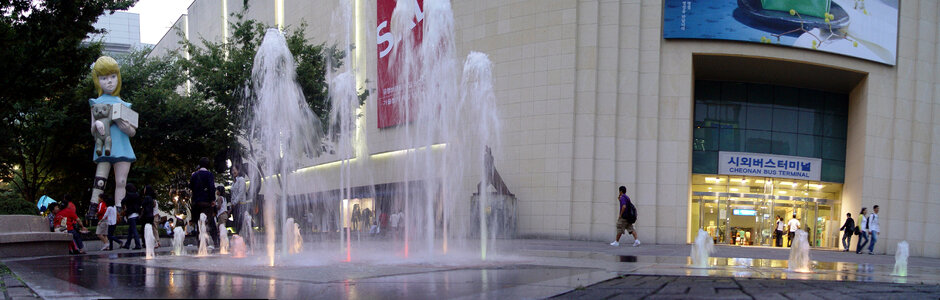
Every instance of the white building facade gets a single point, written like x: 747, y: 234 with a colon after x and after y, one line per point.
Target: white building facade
x: 592, y: 96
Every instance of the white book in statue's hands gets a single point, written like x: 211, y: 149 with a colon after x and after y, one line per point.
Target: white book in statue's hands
x: 121, y: 112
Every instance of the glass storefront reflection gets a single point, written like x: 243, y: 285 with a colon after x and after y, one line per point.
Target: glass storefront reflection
x: 742, y: 210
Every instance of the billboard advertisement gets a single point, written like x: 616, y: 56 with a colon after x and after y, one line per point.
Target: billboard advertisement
x: 387, y: 80
x: 866, y: 29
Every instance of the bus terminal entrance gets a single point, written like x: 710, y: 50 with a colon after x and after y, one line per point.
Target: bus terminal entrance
x: 741, y: 210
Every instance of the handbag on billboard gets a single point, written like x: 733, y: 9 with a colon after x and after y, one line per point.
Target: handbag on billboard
x: 816, y: 8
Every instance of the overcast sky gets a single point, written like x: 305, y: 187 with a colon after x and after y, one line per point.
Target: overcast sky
x: 157, y: 16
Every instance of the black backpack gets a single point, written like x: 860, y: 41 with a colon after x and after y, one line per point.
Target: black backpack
x: 630, y: 213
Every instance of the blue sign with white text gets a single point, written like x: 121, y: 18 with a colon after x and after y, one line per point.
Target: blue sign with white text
x: 768, y: 165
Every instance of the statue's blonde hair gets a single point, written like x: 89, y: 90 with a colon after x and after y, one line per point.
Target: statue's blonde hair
x: 106, y: 65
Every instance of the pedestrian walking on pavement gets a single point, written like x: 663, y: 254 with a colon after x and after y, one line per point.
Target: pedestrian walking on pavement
x: 778, y: 232
x: 862, y: 230
x: 626, y: 218
x: 848, y: 229
x: 873, y: 229
x: 794, y: 225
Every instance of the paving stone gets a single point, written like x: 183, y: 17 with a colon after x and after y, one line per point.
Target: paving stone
x: 19, y: 292
x: 590, y: 294
x: 770, y: 296
x: 674, y: 288
x: 13, y: 283
x: 677, y: 287
x: 633, y: 294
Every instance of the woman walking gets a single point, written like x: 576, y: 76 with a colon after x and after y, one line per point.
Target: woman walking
x: 862, y: 230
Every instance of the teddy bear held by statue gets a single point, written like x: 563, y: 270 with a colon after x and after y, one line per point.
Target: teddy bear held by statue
x: 102, y: 115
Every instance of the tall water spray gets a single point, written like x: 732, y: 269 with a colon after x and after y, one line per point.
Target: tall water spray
x: 799, y: 254
x: 283, y: 134
x: 446, y: 123
x: 223, y: 239
x: 900, y: 259
x: 477, y: 102
x: 178, y: 236
x: 343, y: 113
x: 439, y: 111
x: 149, y: 240
x: 704, y: 246
x: 203, y: 236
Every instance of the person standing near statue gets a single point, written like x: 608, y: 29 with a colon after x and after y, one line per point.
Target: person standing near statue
x: 118, y: 154
x: 202, y: 185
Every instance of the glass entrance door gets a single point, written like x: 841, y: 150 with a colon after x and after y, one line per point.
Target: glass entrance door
x: 741, y: 210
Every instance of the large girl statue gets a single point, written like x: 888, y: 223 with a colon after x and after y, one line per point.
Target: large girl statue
x: 118, y: 152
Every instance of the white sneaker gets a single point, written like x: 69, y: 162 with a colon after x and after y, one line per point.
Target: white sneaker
x: 105, y: 247
x: 615, y: 244
x: 636, y: 243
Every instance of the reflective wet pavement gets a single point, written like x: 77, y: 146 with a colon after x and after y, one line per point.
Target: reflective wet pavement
x: 523, y: 269
x: 95, y: 276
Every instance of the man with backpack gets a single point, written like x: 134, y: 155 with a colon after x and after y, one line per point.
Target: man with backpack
x: 626, y: 218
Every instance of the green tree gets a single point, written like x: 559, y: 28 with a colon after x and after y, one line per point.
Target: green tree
x: 43, y: 60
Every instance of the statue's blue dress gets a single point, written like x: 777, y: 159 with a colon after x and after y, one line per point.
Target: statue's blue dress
x: 120, y: 143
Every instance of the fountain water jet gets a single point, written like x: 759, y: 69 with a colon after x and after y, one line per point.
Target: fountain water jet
x: 223, y: 239
x: 283, y: 134
x: 149, y: 240
x: 178, y: 235
x: 203, y: 236
x: 900, y: 260
x: 246, y: 231
x: 799, y: 254
x: 297, y: 241
x: 704, y: 246
x: 239, y: 249
x: 446, y: 125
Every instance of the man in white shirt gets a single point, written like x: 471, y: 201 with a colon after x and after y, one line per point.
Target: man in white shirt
x: 873, y: 229
x: 794, y: 225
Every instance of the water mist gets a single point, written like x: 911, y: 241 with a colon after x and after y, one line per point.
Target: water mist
x: 704, y: 246
x: 799, y: 254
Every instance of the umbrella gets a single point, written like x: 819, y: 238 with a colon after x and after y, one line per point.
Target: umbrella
x: 43, y: 202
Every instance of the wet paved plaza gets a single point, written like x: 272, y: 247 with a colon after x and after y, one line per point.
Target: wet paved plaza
x: 519, y: 269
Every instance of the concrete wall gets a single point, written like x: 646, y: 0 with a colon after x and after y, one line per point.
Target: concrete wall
x: 592, y: 97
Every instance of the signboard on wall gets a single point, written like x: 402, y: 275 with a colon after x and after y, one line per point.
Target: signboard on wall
x: 862, y: 29
x: 388, y: 80
x: 769, y: 165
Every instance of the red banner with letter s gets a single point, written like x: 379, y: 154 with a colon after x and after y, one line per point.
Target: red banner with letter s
x: 388, y: 80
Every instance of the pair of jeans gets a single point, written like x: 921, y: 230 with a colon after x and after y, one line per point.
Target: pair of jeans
x: 779, y: 235
x: 77, y: 238
x: 847, y: 239
x: 111, y: 238
x: 790, y: 238
x: 874, y: 238
x: 861, y: 245
x: 132, y: 233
